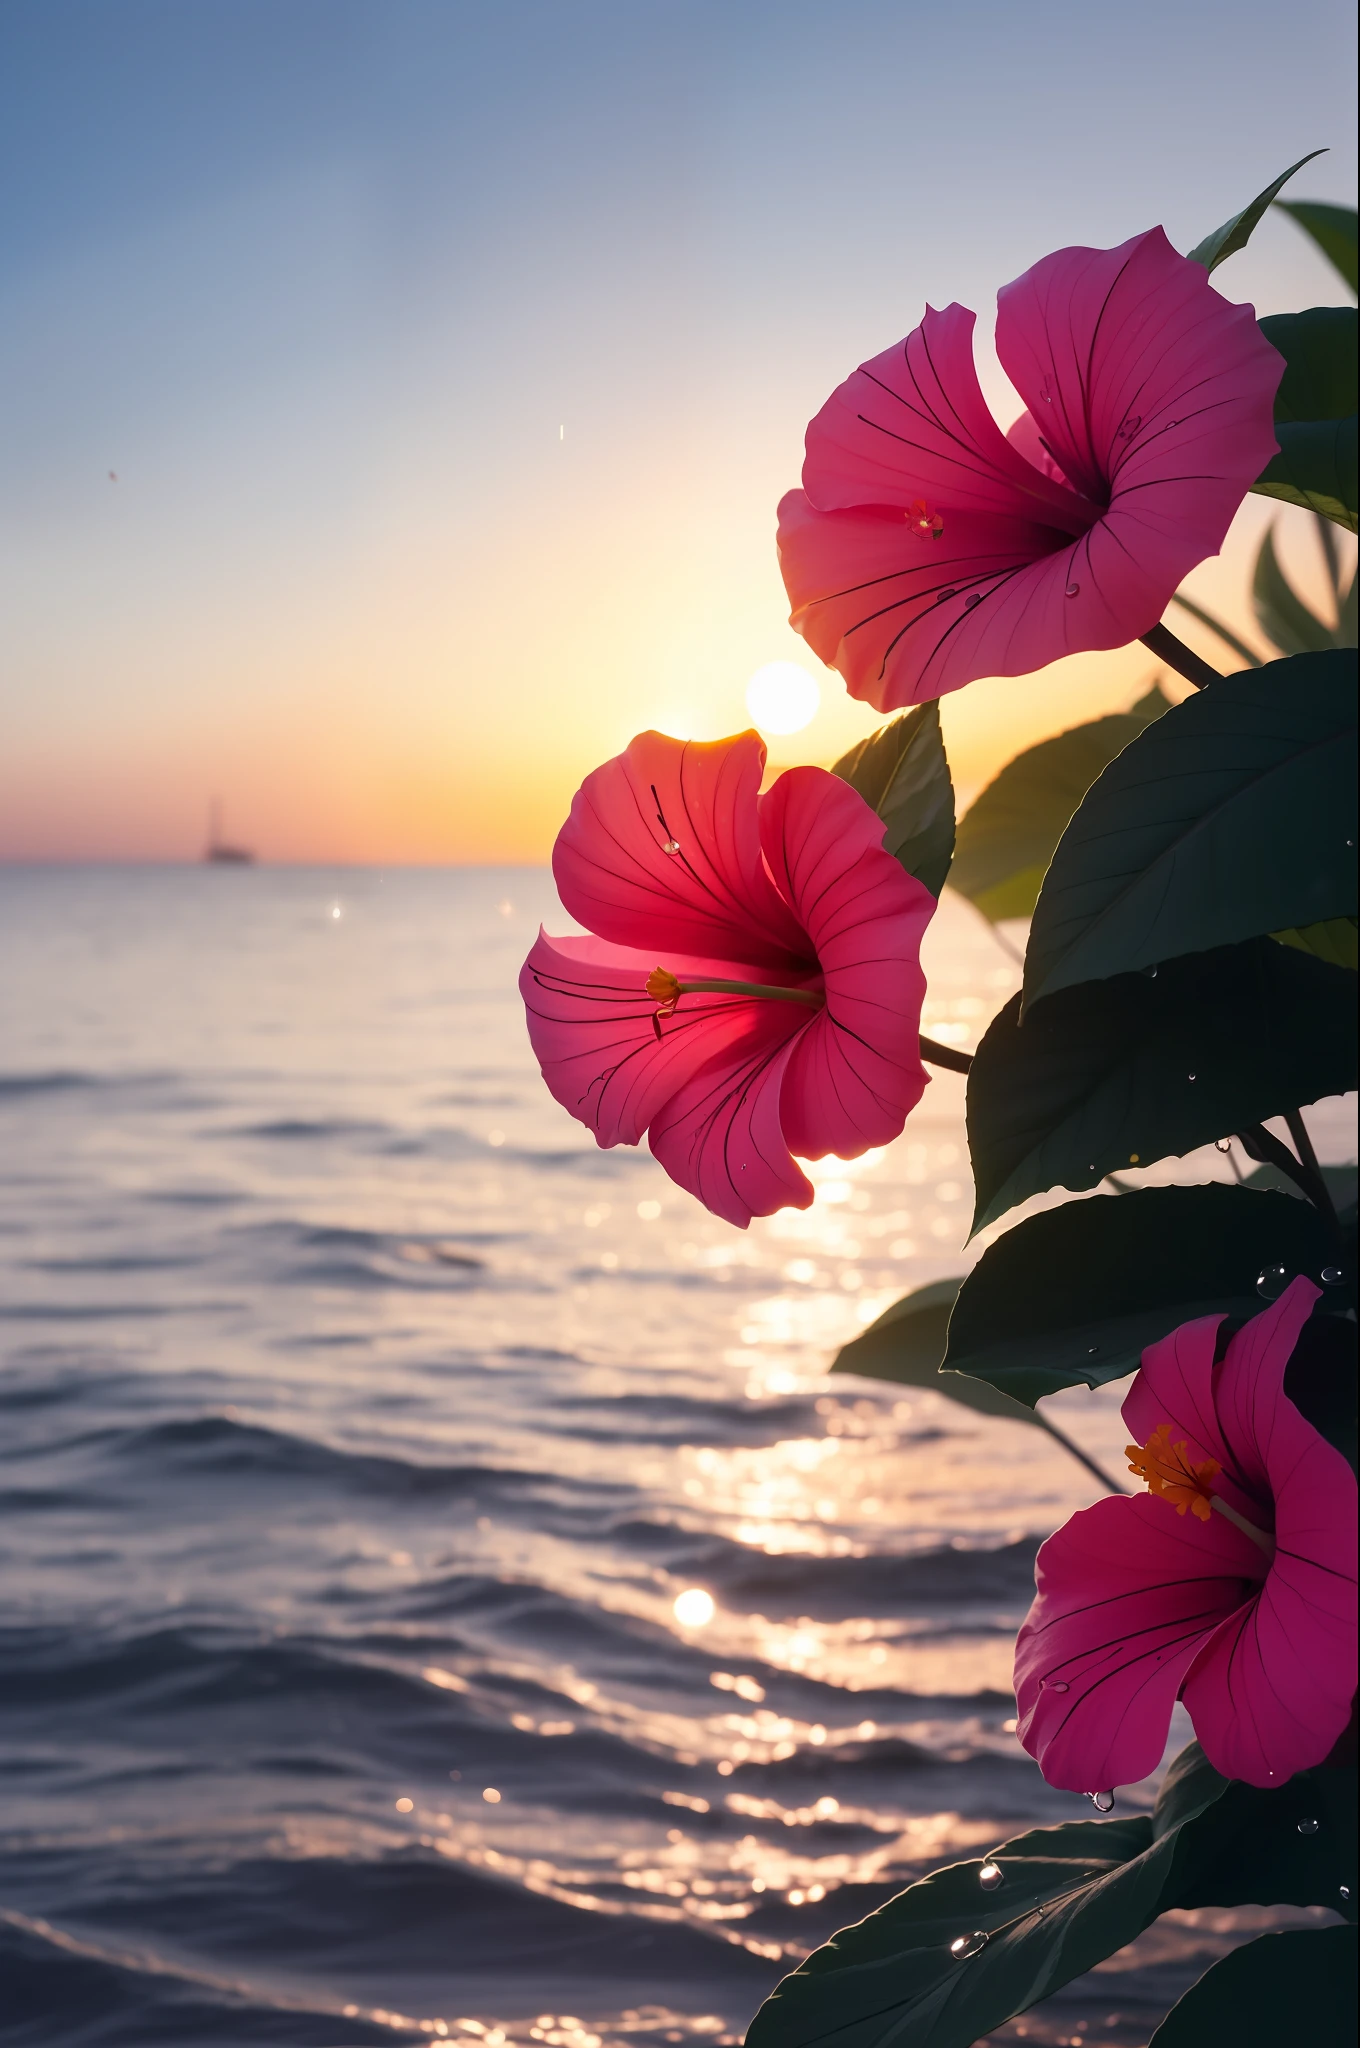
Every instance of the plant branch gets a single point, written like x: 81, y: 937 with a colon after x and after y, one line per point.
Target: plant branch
x: 1303, y: 1145
x: 1162, y: 642
x: 1097, y: 1471
x: 1229, y: 638
x: 1263, y: 1146
x: 945, y: 1056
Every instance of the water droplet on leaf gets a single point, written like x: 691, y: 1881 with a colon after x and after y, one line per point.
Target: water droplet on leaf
x: 1192, y: 1077
x: 1345, y: 1891
x: 1271, y: 1282
x: 1308, y: 1827
x: 1223, y: 1144
x: 1331, y: 1276
x: 968, y: 1945
x: 1103, y: 1802
x: 990, y: 1876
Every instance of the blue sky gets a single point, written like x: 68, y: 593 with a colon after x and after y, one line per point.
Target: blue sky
x: 451, y: 361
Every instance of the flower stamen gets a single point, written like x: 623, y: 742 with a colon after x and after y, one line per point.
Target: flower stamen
x: 1170, y: 1474
x: 665, y: 990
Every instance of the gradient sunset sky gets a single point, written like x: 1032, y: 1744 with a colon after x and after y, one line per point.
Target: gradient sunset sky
x: 396, y: 394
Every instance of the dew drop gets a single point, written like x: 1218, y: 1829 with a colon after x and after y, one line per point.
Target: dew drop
x: 1345, y: 1891
x: 1331, y: 1276
x: 1046, y: 391
x: 1074, y: 590
x: 1271, y: 1282
x: 1152, y: 974
x: 974, y: 597
x: 1103, y: 1802
x: 1192, y: 1077
x: 991, y: 1876
x: 671, y: 846
x: 1091, y: 1350
x: 1308, y: 1827
x: 1057, y: 1685
x: 1223, y: 1144
x: 947, y: 593
x: 968, y: 1945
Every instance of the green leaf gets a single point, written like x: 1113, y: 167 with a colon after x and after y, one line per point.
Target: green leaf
x: 1332, y: 940
x: 1124, y: 1072
x: 1333, y: 228
x: 1071, y: 1895
x: 1075, y: 1296
x: 1281, y: 613
x: 901, y: 770
x: 1234, y: 815
x: 1257, y: 1995
x: 1315, y: 412
x: 1006, y: 839
x: 906, y: 1346
x: 1236, y: 233
x: 1251, y: 1850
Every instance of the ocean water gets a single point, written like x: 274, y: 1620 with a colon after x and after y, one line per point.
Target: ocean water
x: 360, y: 1425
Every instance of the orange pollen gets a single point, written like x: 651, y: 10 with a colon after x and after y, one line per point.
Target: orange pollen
x: 663, y: 988
x: 1168, y: 1472
x: 923, y: 522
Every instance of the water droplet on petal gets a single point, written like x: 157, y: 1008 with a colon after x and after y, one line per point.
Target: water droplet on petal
x: 968, y: 1945
x: 1103, y: 1802
x: 1074, y: 590
x: 1271, y: 1282
x: 1331, y: 1276
x: 1057, y: 1685
x: 1223, y: 1144
x: 974, y: 597
x: 671, y: 846
x: 990, y: 1876
x: 947, y: 593
x: 1308, y: 1827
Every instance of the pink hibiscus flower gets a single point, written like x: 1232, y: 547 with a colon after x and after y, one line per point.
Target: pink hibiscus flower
x: 753, y: 988
x: 1244, y: 1607
x: 927, y: 548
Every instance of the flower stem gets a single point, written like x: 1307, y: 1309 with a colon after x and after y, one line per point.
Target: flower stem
x: 1162, y: 642
x: 945, y: 1056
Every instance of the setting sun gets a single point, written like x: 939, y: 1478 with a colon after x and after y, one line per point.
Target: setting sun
x: 783, y: 697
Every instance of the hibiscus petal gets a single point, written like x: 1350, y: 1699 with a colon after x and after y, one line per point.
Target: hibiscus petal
x: 593, y: 1029
x: 1272, y: 1689
x: 905, y: 620
x: 720, y: 1135
x: 1153, y: 393
x: 712, y: 895
x: 855, y: 1070
x: 1128, y: 1591
x: 913, y: 424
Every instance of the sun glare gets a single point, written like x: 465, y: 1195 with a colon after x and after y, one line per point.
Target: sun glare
x: 782, y: 697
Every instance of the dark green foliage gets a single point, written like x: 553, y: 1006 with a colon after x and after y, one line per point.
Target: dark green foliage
x: 1315, y: 412
x: 902, y: 772
x: 1236, y: 233
x: 1074, y: 1296
x: 1070, y: 1895
x: 1120, y: 1073
x: 1265, y: 1993
x: 1231, y: 816
x: 1006, y: 838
